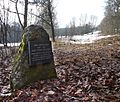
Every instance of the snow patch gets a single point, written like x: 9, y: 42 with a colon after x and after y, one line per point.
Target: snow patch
x: 10, y: 44
x: 85, y: 39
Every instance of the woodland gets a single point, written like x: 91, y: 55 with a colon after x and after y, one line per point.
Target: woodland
x: 85, y: 72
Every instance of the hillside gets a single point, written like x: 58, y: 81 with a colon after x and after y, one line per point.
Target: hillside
x: 86, y: 73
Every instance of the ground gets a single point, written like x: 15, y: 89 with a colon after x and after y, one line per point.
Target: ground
x: 86, y: 73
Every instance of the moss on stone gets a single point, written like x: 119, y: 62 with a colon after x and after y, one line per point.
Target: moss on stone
x: 22, y: 73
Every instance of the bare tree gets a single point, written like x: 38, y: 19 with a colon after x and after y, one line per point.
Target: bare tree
x: 87, y: 24
x: 111, y: 22
x: 51, y: 19
x: 72, y: 27
x: 47, y: 17
x: 4, y: 22
x: 25, y: 13
x: 67, y: 31
x: 92, y: 22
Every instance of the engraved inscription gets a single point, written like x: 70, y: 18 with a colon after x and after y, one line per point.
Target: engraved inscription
x: 40, y: 53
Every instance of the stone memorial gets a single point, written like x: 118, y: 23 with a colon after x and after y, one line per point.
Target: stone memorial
x: 34, y: 60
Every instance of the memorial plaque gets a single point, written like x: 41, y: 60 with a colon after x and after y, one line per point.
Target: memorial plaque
x: 40, y: 52
x: 35, y: 59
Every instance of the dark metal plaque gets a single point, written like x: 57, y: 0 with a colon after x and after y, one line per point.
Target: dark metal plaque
x: 39, y: 52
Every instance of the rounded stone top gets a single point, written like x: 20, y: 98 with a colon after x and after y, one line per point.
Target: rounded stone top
x: 36, y: 32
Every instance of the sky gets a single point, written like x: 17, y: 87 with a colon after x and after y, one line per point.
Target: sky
x: 68, y: 9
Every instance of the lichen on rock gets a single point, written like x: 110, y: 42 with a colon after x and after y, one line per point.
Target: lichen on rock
x: 24, y: 74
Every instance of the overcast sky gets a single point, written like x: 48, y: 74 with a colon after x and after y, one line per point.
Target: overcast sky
x: 68, y: 9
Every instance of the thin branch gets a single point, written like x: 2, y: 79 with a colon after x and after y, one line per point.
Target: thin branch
x: 37, y: 2
x: 18, y: 14
x: 12, y: 11
x: 1, y: 20
x: 12, y: 1
x: 41, y: 18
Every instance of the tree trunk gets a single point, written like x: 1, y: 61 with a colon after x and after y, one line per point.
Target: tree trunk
x: 51, y: 21
x: 5, y: 35
x: 25, y: 13
x: 18, y: 14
